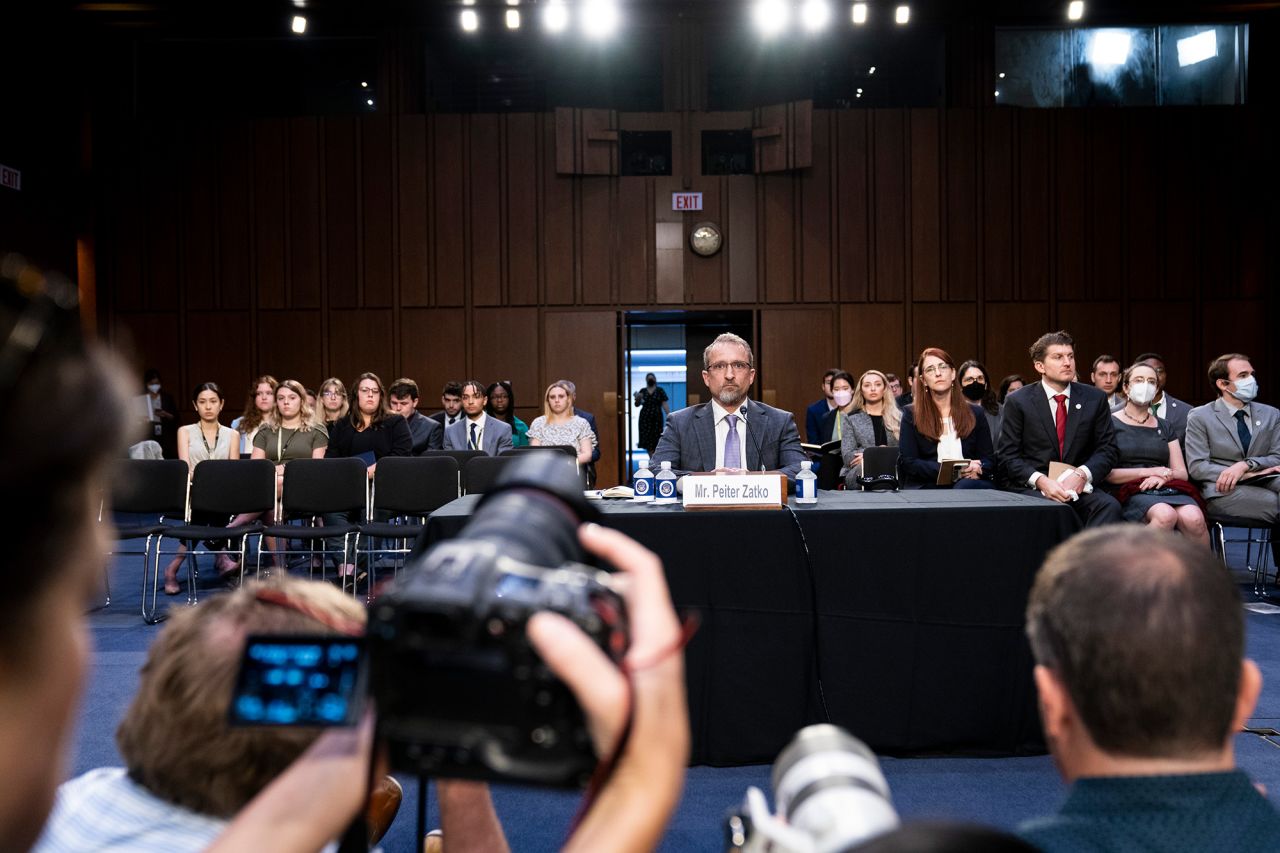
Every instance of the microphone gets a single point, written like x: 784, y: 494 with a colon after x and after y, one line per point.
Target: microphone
x: 742, y: 412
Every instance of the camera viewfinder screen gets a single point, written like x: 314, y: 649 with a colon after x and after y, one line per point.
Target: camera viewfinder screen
x: 299, y: 681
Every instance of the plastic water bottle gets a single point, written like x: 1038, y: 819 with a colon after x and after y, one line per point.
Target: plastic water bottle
x: 665, y: 484
x: 643, y: 484
x: 806, y: 484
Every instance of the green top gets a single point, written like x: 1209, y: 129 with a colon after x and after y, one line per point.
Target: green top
x: 285, y: 445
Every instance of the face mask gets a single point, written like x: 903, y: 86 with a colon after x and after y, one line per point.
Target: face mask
x: 1142, y: 393
x: 975, y: 391
x: 842, y: 398
x: 1246, y: 389
x: 154, y: 388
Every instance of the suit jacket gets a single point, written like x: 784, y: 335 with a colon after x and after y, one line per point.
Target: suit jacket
x: 858, y: 434
x: 389, y: 437
x: 689, y: 440
x: 1029, y: 439
x: 427, y: 434
x: 1213, y: 442
x: 1172, y: 410
x: 439, y: 417
x: 813, y: 420
x: 496, y: 437
x: 918, y: 454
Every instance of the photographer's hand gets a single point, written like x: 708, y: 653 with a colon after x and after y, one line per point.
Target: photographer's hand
x: 632, y: 810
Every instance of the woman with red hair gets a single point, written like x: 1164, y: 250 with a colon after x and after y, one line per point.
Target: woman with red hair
x: 941, y: 425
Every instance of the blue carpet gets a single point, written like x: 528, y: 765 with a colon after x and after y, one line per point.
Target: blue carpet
x: 1001, y: 792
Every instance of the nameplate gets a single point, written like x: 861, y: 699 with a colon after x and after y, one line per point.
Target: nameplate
x: 764, y: 490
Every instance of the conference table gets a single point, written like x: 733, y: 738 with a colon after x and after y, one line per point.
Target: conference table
x: 898, y: 615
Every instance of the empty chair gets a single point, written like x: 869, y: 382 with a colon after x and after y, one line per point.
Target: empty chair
x: 406, y: 489
x: 313, y: 487
x: 153, y: 488
x: 479, y: 474
x: 1256, y: 532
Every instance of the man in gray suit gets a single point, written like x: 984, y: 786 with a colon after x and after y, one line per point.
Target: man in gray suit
x: 1235, y: 440
x: 731, y: 433
x: 476, y: 430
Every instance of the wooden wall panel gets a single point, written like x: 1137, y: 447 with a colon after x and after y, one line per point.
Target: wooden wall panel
x: 853, y: 203
x: 484, y: 189
x: 1036, y: 206
x: 1144, y: 192
x: 1070, y: 238
x: 963, y: 205
x: 302, y: 210
x: 521, y: 210
x: 198, y: 264
x: 377, y: 194
x: 791, y: 343
x: 705, y: 276
x: 1010, y: 329
x: 235, y: 214
x: 228, y: 363
x: 361, y: 341
x: 952, y: 326
x: 1183, y: 199
x: 505, y: 346
x: 926, y: 208
x: 1098, y: 327
x: 558, y: 221
x: 342, y: 252
x: 583, y: 346
x: 777, y: 235
x: 740, y: 239
x: 159, y: 197
x: 270, y: 219
x: 1171, y: 329
x: 889, y: 205
x: 872, y: 336
x: 413, y: 211
x: 597, y: 244
x: 1107, y: 223
x: 448, y: 208
x: 290, y: 346
x: 669, y: 244
x: 1223, y: 324
x: 433, y: 350
x: 997, y: 231
x: 815, y: 216
x: 1219, y: 141
x: 149, y: 340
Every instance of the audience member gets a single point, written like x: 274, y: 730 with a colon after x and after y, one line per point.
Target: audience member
x: 652, y: 402
x: 476, y: 430
x: 502, y: 405
x: 975, y: 385
x: 908, y: 395
x: 895, y: 384
x: 833, y: 422
x: 1106, y: 378
x: 333, y: 402
x: 589, y: 418
x: 161, y: 413
x: 557, y: 426
x: 312, y: 401
x: 1008, y: 385
x: 403, y: 401
x: 1138, y: 638
x: 187, y: 770
x: 1165, y: 405
x: 1057, y: 420
x: 258, y: 407
x: 451, y: 399
x: 1149, y: 467
x: 941, y: 426
x: 1233, y: 446
x: 875, y: 422
x: 730, y: 433
x: 205, y: 439
x: 819, y: 409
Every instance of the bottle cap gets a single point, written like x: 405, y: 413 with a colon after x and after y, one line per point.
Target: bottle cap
x: 806, y: 464
x: 666, y: 464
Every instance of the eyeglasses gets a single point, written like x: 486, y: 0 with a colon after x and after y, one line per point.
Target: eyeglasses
x: 369, y: 391
x: 936, y: 369
x: 333, y: 394
x: 722, y: 366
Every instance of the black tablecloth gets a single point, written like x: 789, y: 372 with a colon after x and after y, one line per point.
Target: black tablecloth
x: 919, y: 598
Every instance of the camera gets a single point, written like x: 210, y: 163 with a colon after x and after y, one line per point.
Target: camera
x: 831, y: 796
x: 460, y: 691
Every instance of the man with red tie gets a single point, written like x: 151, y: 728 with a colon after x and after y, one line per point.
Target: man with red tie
x: 1058, y: 420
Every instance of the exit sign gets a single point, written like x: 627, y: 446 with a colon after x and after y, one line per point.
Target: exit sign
x: 12, y: 178
x: 686, y: 201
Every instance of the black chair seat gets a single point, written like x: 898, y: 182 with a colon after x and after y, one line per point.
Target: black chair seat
x: 197, y: 532
x: 140, y: 531
x: 387, y: 530
x: 1237, y: 521
x: 306, y: 533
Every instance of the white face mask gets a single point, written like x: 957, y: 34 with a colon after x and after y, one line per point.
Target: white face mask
x: 154, y: 387
x: 1142, y: 393
x: 842, y: 398
x: 1246, y: 389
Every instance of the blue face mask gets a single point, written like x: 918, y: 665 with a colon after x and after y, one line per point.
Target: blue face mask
x: 1246, y: 389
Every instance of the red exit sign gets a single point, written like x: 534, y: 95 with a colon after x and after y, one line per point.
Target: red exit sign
x: 10, y: 178
x: 686, y: 201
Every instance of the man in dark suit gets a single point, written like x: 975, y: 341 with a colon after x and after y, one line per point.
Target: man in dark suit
x: 907, y: 397
x: 451, y: 399
x: 819, y: 409
x: 731, y: 433
x: 1058, y: 420
x: 427, y: 434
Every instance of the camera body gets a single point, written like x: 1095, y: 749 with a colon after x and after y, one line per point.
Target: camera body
x: 459, y: 689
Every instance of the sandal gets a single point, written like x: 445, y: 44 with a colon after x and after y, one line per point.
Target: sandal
x: 172, y: 588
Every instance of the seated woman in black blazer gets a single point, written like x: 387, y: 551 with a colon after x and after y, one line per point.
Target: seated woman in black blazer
x: 941, y: 424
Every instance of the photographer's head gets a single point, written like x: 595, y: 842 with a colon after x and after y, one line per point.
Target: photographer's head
x: 54, y: 552
x: 175, y: 738
x: 1138, y: 638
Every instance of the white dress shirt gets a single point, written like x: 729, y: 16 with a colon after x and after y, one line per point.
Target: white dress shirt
x: 480, y: 424
x: 722, y: 431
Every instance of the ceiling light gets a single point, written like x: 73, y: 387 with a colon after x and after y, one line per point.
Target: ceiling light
x: 299, y: 24
x: 1001, y: 75
x: 815, y: 14
x: 997, y: 93
x: 369, y: 101
x: 1075, y: 10
x: 364, y: 85
x: 470, y: 20
x: 871, y: 70
x: 859, y: 13
x: 1109, y: 47
x: 902, y: 14
x: 599, y: 18
x: 513, y: 19
x: 556, y: 17
x: 1197, y: 48
x: 770, y: 16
